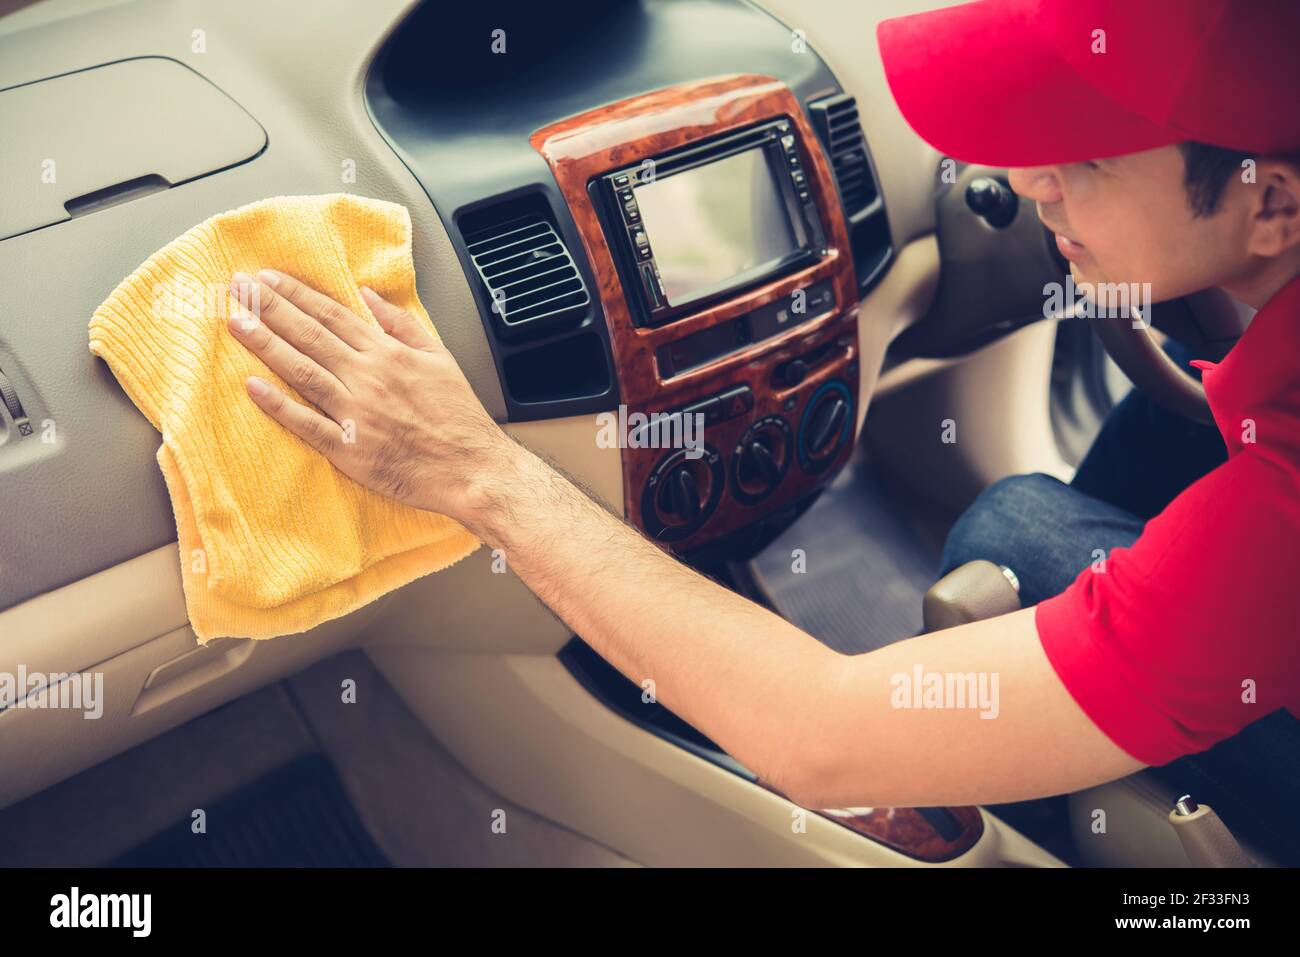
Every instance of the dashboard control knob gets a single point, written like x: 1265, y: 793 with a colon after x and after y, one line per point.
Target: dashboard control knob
x: 682, y: 492
x: 679, y: 494
x: 761, y: 458
x: 758, y: 460
x: 826, y: 426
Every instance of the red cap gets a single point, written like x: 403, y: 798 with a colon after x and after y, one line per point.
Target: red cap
x: 1038, y: 82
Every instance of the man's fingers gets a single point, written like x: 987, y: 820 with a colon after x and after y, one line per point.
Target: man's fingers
x: 314, y: 383
x: 293, y: 326
x: 401, y: 324
x: 334, y: 317
x: 320, y: 433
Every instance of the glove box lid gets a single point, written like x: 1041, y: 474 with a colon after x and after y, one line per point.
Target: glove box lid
x: 104, y: 135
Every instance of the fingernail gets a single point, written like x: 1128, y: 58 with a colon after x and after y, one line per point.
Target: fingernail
x: 270, y: 277
x: 367, y: 291
x: 257, y: 386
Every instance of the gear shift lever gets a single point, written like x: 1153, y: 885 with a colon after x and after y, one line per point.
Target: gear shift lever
x: 970, y: 592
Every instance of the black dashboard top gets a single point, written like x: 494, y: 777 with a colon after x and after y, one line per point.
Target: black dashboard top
x: 458, y: 93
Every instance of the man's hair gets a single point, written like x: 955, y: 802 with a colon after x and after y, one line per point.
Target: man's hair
x: 1206, y: 175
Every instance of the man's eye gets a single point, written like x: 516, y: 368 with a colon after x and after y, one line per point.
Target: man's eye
x: 1090, y: 164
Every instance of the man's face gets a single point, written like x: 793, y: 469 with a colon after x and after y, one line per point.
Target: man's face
x: 1128, y: 220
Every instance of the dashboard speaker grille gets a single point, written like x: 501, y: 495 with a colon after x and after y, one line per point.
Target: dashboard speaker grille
x: 529, y: 274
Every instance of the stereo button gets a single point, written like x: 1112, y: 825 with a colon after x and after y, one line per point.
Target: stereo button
x: 709, y: 408
x: 736, y: 401
x: 641, y: 242
x: 792, y: 373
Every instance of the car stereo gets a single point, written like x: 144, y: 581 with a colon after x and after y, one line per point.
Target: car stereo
x: 694, y: 225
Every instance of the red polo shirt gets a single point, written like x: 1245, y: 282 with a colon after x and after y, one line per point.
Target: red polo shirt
x: 1194, y: 632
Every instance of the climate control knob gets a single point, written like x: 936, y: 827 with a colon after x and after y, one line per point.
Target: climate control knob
x: 679, y: 494
x: 826, y: 425
x: 761, y: 458
x: 682, y: 492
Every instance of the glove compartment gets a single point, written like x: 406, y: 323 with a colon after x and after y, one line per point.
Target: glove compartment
x: 98, y: 137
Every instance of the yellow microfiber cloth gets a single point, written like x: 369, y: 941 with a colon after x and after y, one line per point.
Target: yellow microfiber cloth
x: 273, y: 539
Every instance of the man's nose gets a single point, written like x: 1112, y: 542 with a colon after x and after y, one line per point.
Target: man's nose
x: 1042, y: 184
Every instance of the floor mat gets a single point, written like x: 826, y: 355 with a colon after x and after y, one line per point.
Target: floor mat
x: 864, y: 573
x: 298, y: 816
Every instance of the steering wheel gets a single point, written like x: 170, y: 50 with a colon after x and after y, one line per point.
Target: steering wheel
x: 1150, y: 369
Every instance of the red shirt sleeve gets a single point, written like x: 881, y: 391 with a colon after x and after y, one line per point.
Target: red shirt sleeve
x: 1193, y: 633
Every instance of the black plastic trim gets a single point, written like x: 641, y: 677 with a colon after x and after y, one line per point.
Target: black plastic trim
x: 809, y: 233
x: 507, y: 350
x: 608, y: 685
x: 868, y: 227
x: 461, y: 118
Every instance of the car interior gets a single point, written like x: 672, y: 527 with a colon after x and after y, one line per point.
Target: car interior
x: 861, y: 295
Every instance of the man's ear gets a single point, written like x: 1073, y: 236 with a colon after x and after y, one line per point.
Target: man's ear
x: 1274, y: 226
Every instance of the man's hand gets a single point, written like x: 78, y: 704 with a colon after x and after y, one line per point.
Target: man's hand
x: 390, y: 406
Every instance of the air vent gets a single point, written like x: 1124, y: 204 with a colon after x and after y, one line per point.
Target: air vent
x: 838, y: 118
x: 530, y: 278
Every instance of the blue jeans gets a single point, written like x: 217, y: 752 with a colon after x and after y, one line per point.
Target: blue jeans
x: 1046, y: 532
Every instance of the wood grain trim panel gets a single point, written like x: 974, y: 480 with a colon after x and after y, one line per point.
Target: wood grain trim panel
x: 581, y: 148
x: 906, y: 829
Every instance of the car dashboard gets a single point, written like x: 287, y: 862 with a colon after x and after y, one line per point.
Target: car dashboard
x: 664, y: 234
x: 628, y: 219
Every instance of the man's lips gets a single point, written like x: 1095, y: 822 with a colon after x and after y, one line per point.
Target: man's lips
x: 1071, y: 250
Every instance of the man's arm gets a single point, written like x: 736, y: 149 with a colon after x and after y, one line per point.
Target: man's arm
x: 824, y: 728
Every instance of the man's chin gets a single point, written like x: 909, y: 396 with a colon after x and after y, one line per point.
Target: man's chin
x: 1089, y: 280
x: 1078, y: 274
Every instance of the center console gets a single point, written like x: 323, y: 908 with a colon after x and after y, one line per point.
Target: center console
x: 721, y: 258
x: 690, y: 241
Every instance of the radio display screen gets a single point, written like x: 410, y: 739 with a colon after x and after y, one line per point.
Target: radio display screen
x: 715, y: 226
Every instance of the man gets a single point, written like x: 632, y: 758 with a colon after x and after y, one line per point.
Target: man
x: 1182, y: 642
